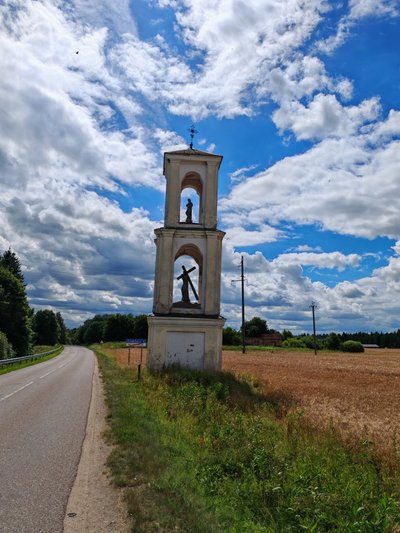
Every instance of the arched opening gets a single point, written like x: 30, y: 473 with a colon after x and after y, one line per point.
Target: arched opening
x: 191, y: 199
x: 188, y: 272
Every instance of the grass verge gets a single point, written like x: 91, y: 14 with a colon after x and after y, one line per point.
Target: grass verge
x: 203, y: 453
x: 37, y: 350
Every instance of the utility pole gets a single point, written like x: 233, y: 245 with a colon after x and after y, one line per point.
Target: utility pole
x: 313, y: 306
x: 243, y: 321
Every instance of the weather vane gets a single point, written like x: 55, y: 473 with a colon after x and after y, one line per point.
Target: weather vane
x: 192, y: 130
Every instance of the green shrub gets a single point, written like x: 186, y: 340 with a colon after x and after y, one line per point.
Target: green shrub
x: 293, y: 343
x: 352, y: 346
x: 332, y: 342
x: 308, y: 341
x: 6, y: 349
x: 231, y: 337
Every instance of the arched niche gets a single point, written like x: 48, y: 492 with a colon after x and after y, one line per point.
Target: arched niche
x: 192, y: 188
x: 188, y: 256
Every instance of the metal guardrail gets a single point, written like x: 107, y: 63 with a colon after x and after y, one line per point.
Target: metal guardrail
x: 14, y: 360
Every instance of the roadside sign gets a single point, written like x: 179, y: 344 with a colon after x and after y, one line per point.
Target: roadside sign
x: 136, y: 342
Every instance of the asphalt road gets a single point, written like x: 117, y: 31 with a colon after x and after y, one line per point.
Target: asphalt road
x: 43, y: 413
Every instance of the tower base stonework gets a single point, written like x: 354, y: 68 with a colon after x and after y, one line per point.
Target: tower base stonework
x: 190, y: 342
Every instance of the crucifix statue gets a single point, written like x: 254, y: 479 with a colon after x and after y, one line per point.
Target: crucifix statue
x: 186, y: 281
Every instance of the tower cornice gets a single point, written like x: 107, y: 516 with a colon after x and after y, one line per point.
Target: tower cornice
x: 191, y: 155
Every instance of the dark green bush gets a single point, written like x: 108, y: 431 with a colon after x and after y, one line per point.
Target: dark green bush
x: 93, y: 332
x: 46, y: 327
x: 332, y: 342
x: 6, y: 350
x: 14, y: 312
x: 352, y: 346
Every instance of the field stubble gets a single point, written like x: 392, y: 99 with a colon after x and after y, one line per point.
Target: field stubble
x: 357, y: 394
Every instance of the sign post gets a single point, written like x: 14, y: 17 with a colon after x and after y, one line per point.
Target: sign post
x: 136, y: 343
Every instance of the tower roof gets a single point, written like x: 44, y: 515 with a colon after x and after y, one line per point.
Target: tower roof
x: 190, y: 152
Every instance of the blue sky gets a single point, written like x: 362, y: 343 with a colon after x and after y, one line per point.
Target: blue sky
x: 300, y: 98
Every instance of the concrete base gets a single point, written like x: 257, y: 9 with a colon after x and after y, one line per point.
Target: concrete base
x: 189, y: 342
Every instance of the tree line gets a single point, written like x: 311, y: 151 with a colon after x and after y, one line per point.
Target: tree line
x: 21, y: 327
x: 328, y: 341
x: 383, y: 340
x: 335, y: 341
x: 111, y: 327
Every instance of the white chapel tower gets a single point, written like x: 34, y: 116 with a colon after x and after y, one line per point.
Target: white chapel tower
x: 186, y: 326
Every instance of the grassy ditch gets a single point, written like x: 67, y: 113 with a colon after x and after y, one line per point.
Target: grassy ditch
x: 203, y: 453
x: 36, y: 350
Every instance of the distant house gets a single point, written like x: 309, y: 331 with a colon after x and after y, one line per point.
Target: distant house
x: 266, y: 339
x: 370, y: 346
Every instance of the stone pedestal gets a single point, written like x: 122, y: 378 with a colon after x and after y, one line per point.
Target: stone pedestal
x: 185, y: 341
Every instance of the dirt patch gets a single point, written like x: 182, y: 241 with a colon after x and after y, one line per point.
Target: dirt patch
x: 357, y: 393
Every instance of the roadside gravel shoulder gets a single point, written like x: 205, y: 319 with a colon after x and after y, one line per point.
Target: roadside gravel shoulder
x: 94, y: 505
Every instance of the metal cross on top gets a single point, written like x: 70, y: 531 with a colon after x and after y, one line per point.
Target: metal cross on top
x: 186, y: 281
x: 192, y: 130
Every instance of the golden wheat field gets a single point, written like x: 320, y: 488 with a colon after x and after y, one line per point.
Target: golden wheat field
x: 358, y: 393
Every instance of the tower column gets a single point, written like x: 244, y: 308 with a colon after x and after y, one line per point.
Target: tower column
x: 163, y: 282
x: 213, y: 275
x: 172, y: 197
x: 211, y: 195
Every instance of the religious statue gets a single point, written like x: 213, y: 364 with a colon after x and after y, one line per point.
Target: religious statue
x: 189, y: 208
x: 186, y: 282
